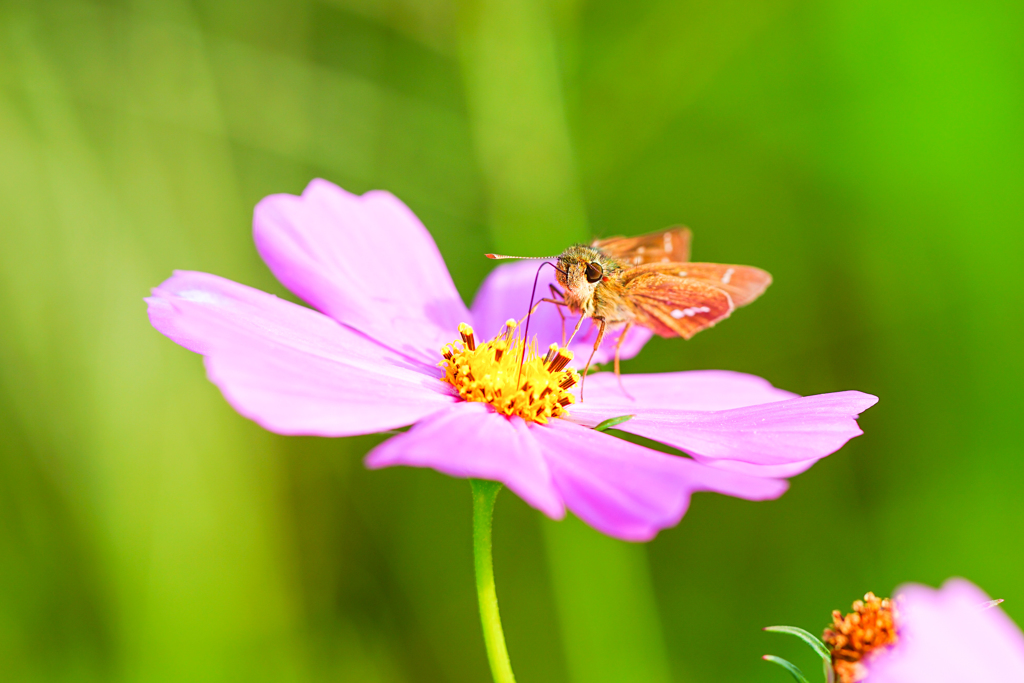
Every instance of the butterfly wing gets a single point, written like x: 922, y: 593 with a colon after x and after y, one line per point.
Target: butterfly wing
x: 673, y: 306
x: 743, y: 284
x: 672, y: 245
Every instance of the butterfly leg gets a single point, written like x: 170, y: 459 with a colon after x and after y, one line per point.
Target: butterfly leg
x: 597, y: 345
x: 618, y: 345
x: 557, y: 293
x: 618, y: 348
x: 549, y: 301
x: 575, y: 330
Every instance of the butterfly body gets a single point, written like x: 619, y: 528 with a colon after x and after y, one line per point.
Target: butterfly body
x: 648, y: 280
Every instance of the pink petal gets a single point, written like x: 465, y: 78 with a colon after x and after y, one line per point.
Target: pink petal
x: 628, y: 491
x: 366, y: 261
x: 946, y: 637
x: 470, y: 440
x: 772, y: 471
x: 789, y: 432
x: 506, y: 294
x: 691, y: 390
x: 288, y: 368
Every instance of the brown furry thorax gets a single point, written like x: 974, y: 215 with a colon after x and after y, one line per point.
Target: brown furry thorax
x: 582, y: 295
x: 573, y: 261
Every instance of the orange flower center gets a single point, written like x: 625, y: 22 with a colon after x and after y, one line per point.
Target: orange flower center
x: 856, y: 638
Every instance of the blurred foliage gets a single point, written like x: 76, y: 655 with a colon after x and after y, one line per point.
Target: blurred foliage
x: 870, y: 155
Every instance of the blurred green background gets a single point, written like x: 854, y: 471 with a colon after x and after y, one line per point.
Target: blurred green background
x: 869, y: 154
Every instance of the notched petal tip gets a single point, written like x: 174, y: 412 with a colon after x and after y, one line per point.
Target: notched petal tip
x: 784, y: 437
x: 288, y: 368
x: 325, y: 246
x: 629, y: 491
x: 857, y: 401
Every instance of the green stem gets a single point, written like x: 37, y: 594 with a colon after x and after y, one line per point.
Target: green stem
x: 484, y: 494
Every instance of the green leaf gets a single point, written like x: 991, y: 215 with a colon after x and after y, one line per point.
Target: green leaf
x: 803, y: 635
x: 791, y: 668
x: 612, y: 421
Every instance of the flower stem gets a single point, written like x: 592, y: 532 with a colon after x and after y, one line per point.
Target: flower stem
x: 484, y: 494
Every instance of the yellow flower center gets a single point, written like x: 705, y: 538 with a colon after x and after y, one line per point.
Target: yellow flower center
x: 535, y: 387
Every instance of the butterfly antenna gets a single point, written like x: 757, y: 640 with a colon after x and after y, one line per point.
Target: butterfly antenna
x: 529, y: 312
x: 498, y: 257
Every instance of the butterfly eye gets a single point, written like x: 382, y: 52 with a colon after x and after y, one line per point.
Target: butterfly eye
x: 594, y: 272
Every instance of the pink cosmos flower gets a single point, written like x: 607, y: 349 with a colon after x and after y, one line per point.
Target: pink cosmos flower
x: 949, y: 636
x: 367, y: 360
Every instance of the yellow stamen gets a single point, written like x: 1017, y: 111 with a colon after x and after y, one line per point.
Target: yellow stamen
x: 467, y: 336
x: 490, y: 373
x: 552, y: 352
x: 560, y: 360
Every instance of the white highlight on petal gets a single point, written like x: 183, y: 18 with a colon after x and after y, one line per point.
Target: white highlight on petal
x: 199, y: 296
x: 668, y: 243
x: 689, y: 312
x: 728, y: 276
